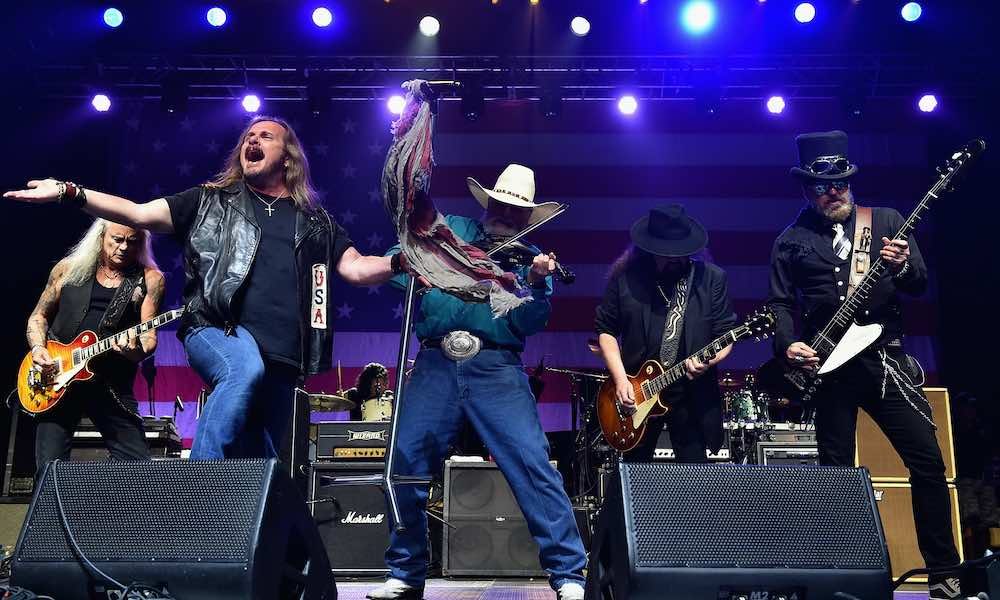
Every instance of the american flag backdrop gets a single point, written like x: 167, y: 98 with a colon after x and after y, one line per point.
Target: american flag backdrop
x: 730, y: 170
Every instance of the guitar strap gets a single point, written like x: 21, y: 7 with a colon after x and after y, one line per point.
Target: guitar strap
x: 861, y: 257
x: 132, y: 288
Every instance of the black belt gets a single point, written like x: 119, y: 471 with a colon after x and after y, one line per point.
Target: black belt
x: 435, y: 343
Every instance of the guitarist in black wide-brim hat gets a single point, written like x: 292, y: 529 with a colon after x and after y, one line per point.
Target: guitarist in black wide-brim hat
x: 811, y: 265
x: 661, y: 303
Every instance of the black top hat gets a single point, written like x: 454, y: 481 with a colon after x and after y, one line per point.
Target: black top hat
x: 823, y: 155
x: 668, y: 231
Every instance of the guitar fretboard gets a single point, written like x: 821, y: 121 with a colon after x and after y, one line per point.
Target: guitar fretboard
x: 123, y: 337
x: 655, y: 385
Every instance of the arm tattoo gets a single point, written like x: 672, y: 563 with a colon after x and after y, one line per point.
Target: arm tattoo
x: 48, y: 303
x: 154, y: 295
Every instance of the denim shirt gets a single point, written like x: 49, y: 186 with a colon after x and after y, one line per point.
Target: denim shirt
x: 441, y: 313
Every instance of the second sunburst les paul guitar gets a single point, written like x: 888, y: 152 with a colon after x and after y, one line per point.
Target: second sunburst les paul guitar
x: 624, y: 430
x: 39, y: 392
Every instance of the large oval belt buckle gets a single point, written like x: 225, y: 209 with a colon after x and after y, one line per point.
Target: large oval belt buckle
x: 460, y: 345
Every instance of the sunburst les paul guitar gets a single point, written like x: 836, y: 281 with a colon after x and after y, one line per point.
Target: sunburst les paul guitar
x: 39, y: 392
x: 622, y: 429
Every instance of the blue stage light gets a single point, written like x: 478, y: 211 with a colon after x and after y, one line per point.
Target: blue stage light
x: 251, y: 103
x: 216, y: 16
x: 627, y: 104
x: 101, y: 103
x: 775, y: 105
x: 396, y: 104
x: 113, y: 17
x: 429, y: 26
x: 580, y: 26
x: 322, y: 17
x: 805, y: 12
x: 927, y: 103
x: 911, y: 11
x: 698, y: 16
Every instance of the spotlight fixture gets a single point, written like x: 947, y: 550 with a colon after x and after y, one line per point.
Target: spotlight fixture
x: 251, y: 103
x: 927, y: 103
x: 473, y: 101
x: 396, y: 104
x: 101, y: 103
x: 322, y: 17
x: 698, y: 16
x: 173, y: 92
x: 805, y: 12
x: 429, y: 26
x: 775, y: 105
x: 216, y: 16
x: 911, y: 11
x: 627, y: 105
x: 580, y: 26
x: 113, y: 17
x: 550, y: 100
x: 533, y: 2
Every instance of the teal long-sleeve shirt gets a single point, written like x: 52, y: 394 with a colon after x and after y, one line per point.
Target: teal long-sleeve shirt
x: 441, y: 313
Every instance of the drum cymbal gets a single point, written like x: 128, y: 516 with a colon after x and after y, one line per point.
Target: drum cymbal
x: 330, y: 403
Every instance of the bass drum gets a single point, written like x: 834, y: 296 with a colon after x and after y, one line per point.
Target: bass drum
x: 377, y: 409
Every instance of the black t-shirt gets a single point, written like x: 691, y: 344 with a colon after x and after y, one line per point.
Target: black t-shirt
x: 100, y: 297
x: 268, y: 304
x: 110, y: 365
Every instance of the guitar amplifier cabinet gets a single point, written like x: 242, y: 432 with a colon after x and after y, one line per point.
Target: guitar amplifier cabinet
x: 351, y: 519
x: 665, y: 449
x: 876, y: 453
x: 352, y: 440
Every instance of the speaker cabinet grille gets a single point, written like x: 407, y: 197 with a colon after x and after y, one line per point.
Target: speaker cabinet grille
x: 218, y: 501
x: 352, y: 519
x: 687, y: 516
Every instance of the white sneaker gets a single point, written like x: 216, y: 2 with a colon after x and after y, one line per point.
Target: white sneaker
x: 394, y: 589
x: 570, y: 590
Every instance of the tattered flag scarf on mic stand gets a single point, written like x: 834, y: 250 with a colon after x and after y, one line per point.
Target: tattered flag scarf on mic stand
x: 431, y: 248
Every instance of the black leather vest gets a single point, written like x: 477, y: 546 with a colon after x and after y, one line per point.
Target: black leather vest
x: 219, y: 253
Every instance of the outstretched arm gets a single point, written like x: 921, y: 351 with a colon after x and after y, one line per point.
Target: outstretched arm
x: 357, y: 269
x: 154, y: 216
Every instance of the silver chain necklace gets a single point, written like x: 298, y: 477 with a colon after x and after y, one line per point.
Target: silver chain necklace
x: 269, y: 205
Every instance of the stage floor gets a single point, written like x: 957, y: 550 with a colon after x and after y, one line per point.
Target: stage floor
x: 497, y: 589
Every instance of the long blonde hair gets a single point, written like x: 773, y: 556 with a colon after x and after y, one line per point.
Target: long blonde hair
x: 83, y: 258
x: 297, y: 178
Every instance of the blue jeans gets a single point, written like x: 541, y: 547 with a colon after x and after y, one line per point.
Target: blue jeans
x: 492, y: 391
x: 251, y: 402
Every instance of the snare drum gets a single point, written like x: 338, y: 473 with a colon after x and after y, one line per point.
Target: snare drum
x: 377, y: 409
x: 743, y: 407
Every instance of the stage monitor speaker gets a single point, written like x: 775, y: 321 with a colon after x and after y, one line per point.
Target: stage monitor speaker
x: 233, y: 529
x: 876, y: 453
x: 351, y: 518
x: 895, y: 507
x: 723, y: 531
x: 488, y: 536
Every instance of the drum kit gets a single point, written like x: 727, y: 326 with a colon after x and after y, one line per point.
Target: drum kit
x: 369, y: 392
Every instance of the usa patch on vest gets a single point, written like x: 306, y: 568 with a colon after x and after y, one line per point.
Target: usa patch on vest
x: 318, y: 304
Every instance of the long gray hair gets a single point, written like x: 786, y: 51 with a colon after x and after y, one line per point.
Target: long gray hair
x: 84, y: 257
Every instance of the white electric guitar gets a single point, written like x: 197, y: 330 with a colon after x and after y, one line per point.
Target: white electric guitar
x: 843, y: 338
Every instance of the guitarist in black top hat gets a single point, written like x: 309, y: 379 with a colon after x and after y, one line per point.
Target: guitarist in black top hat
x: 811, y: 264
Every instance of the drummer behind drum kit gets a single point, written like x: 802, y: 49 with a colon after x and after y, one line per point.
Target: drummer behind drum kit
x: 369, y: 392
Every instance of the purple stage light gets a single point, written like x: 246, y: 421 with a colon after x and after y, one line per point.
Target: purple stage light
x: 775, y: 105
x: 216, y: 16
x: 698, y: 16
x: 113, y: 17
x: 251, y: 103
x: 396, y: 104
x: 429, y: 26
x: 580, y: 26
x: 627, y: 104
x: 101, y: 103
x: 322, y: 17
x: 927, y: 103
x: 805, y: 12
x: 911, y: 11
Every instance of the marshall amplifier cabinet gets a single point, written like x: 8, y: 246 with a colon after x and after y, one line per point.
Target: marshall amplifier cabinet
x: 351, y: 518
x: 352, y: 440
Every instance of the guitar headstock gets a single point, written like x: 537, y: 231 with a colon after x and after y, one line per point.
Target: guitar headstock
x: 960, y: 159
x: 759, y: 324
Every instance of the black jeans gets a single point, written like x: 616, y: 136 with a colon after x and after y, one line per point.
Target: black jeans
x: 859, y: 384
x: 120, y: 426
x: 683, y: 422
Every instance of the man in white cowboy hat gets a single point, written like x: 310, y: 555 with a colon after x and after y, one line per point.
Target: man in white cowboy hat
x: 811, y: 271
x: 469, y: 367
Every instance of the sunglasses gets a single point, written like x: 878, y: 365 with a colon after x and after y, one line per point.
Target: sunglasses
x: 820, y: 187
x: 829, y: 165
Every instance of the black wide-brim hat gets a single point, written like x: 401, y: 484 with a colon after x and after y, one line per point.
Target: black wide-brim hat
x: 819, y: 145
x: 668, y: 231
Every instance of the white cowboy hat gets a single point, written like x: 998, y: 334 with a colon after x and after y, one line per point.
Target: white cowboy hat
x: 516, y: 187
